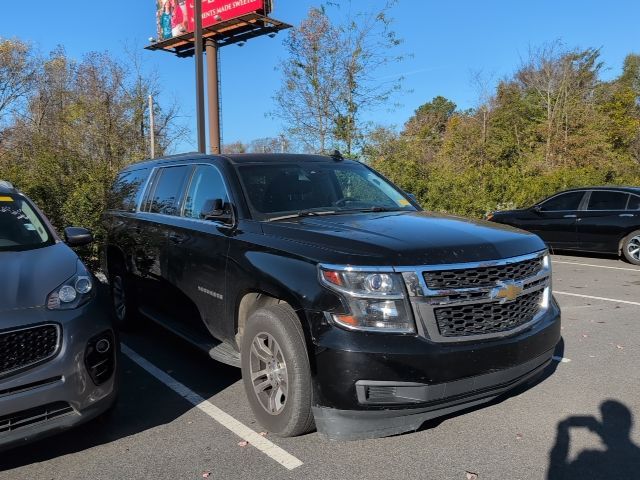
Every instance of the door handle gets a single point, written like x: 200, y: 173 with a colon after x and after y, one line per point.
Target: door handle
x: 570, y: 216
x: 626, y: 215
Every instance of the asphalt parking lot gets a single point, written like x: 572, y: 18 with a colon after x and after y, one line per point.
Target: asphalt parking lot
x: 178, y: 412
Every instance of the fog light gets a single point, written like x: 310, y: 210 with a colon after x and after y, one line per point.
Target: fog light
x: 103, y: 346
x: 100, y: 358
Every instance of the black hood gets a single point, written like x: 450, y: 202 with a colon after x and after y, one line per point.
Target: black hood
x: 407, y: 238
x: 29, y: 276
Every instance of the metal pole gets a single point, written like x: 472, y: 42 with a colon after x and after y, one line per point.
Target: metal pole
x: 202, y: 142
x: 213, y: 96
x: 152, y: 128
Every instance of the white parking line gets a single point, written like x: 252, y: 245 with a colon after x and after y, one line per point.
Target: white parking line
x: 597, y: 266
x: 267, y: 447
x: 596, y: 298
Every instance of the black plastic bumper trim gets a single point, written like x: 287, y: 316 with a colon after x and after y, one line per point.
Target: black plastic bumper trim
x: 362, y: 424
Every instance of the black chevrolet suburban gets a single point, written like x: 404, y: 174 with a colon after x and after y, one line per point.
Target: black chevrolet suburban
x: 347, y: 307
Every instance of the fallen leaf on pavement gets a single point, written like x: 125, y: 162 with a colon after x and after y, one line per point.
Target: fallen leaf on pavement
x: 619, y: 347
x: 472, y: 476
x: 519, y: 436
x: 206, y: 474
x: 263, y: 434
x: 244, y: 443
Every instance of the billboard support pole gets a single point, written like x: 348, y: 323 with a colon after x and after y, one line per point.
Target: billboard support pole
x: 202, y: 147
x: 213, y: 96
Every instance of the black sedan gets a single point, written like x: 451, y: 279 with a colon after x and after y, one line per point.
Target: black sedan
x: 590, y: 219
x: 57, y: 345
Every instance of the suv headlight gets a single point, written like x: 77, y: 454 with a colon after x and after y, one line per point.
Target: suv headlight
x: 377, y: 301
x: 73, y: 293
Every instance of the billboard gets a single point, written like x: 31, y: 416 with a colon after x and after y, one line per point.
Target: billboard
x: 176, y: 17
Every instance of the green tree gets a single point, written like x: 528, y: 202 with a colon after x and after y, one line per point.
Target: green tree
x: 331, y: 76
x: 78, y: 125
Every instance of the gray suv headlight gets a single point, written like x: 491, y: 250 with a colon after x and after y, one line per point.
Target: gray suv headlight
x: 377, y: 300
x: 73, y: 293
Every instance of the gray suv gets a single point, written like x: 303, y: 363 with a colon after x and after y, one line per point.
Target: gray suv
x: 57, y: 347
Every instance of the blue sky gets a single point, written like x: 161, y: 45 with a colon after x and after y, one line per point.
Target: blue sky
x: 449, y: 41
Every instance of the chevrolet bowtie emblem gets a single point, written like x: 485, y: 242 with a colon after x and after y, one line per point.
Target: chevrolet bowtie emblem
x: 508, y: 292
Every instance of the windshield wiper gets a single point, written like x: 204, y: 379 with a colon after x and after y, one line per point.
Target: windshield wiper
x: 304, y: 213
x: 376, y: 209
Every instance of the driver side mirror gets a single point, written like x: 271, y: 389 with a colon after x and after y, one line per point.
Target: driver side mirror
x: 536, y: 208
x: 214, y: 210
x: 77, y: 236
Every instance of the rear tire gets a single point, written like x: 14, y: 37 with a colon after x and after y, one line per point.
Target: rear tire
x: 124, y: 308
x: 631, y: 247
x: 276, y: 372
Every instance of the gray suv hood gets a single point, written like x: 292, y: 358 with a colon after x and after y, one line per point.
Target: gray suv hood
x: 28, y: 277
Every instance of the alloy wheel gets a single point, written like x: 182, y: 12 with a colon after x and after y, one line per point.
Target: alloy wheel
x: 269, y: 375
x: 633, y: 247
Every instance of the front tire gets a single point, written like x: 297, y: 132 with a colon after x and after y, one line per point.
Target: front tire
x: 276, y: 372
x: 123, y: 305
x: 631, y: 247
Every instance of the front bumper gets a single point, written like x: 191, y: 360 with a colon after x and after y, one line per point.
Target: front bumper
x: 369, y: 385
x: 60, y: 393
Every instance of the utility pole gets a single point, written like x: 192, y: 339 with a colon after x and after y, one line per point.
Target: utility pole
x: 152, y: 128
x: 213, y: 96
x: 202, y: 142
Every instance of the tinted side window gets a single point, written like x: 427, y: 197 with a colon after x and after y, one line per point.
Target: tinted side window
x: 608, y: 200
x: 168, y: 190
x: 565, y: 201
x: 634, y: 203
x: 206, y: 185
x: 127, y: 190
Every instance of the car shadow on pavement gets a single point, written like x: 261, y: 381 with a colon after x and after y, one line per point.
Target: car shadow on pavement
x: 143, y: 402
x: 520, y: 389
x: 620, y: 458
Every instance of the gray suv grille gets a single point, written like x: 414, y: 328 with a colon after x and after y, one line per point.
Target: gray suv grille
x: 482, y: 276
x: 27, y: 347
x: 487, y: 318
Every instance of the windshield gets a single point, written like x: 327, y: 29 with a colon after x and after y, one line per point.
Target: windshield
x: 20, y: 226
x: 274, y: 190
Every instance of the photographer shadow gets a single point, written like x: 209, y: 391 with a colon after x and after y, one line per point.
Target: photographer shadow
x: 620, y: 459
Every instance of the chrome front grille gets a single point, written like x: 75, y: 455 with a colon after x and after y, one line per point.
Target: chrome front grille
x: 26, y: 347
x: 487, y: 318
x: 485, y: 276
x: 476, y: 301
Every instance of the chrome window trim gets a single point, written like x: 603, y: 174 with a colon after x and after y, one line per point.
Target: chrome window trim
x: 28, y: 366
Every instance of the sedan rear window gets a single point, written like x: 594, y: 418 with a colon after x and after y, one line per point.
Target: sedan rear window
x: 634, y: 203
x: 20, y: 226
x: 603, y: 200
